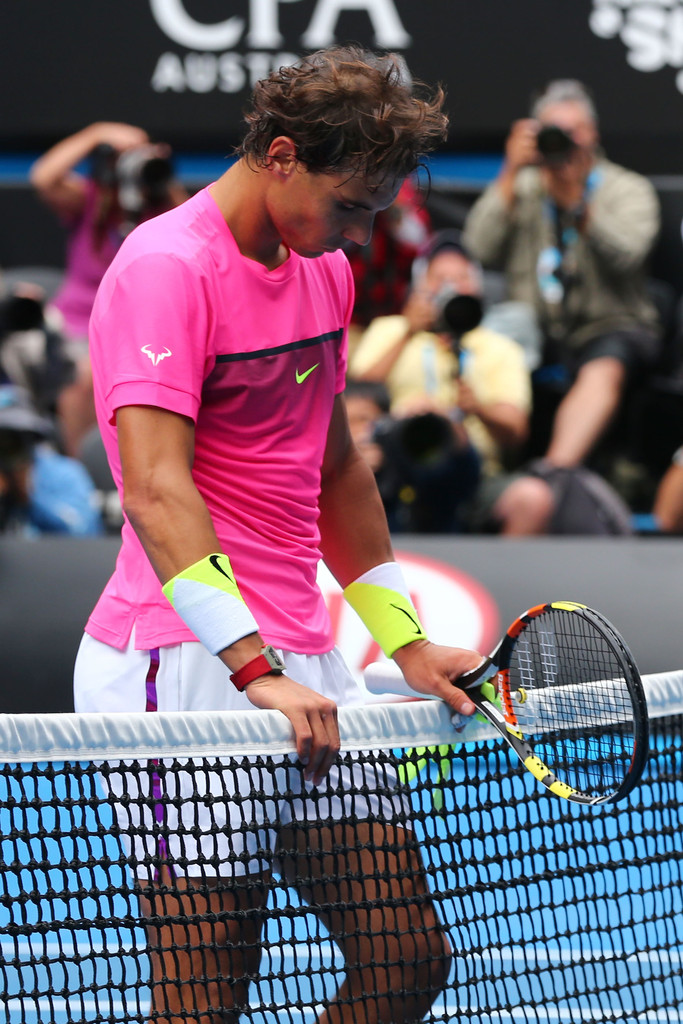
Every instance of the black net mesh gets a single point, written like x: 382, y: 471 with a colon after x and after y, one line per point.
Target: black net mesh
x: 438, y: 884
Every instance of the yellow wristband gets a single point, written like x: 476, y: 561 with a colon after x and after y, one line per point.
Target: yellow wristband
x: 388, y: 614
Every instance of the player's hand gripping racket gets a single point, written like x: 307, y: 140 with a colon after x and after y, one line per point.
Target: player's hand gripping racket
x: 570, y: 701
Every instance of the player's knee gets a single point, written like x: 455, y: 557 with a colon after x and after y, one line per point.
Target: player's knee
x: 526, y: 506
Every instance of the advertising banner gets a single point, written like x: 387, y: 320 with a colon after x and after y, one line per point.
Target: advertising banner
x: 183, y: 69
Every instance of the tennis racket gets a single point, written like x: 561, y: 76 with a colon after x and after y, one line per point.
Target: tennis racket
x: 569, y: 701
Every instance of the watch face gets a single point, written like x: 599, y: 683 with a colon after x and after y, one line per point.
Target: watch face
x: 273, y: 658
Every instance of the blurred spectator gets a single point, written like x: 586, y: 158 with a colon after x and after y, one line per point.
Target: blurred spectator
x: 367, y: 407
x: 32, y: 351
x: 130, y: 180
x: 426, y: 469
x: 94, y: 457
x: 572, y: 232
x: 437, y: 360
x: 41, y: 491
x: 381, y: 269
x: 668, y: 504
x: 569, y: 500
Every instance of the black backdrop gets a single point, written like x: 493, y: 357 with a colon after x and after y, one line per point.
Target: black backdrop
x: 183, y: 68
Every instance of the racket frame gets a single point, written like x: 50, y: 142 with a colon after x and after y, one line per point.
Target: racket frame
x: 500, y: 714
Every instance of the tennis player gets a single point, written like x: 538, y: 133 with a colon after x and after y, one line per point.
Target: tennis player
x: 218, y: 347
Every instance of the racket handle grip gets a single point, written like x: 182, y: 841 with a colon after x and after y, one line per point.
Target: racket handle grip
x: 476, y: 676
x: 386, y: 677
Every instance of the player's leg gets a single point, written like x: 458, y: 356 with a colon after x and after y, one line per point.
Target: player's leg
x: 367, y: 884
x: 365, y: 880
x: 204, y: 905
x: 204, y: 946
x: 203, y: 932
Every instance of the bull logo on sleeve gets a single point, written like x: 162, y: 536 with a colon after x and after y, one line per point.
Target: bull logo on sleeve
x: 156, y: 357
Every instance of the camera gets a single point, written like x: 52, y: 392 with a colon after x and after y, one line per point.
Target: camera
x: 103, y: 165
x: 426, y: 475
x: 32, y: 354
x: 423, y: 439
x: 554, y: 144
x: 142, y: 174
x: 457, y: 314
x: 20, y: 313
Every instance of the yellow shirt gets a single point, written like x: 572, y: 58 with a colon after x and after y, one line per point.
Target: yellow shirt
x: 493, y: 365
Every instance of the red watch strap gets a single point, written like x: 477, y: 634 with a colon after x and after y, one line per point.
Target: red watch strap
x: 258, y: 666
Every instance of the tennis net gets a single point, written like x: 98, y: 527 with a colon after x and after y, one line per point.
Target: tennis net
x: 121, y: 871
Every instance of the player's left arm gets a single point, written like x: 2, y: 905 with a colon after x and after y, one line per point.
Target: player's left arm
x: 355, y: 539
x: 354, y: 535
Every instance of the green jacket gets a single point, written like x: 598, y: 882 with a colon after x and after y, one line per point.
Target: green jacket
x: 608, y: 255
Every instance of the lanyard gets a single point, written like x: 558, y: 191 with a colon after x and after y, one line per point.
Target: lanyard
x: 556, y: 267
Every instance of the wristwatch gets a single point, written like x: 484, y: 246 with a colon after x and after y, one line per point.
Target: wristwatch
x: 267, y: 663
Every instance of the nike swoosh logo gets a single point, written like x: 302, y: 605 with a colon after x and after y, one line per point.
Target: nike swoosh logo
x: 301, y: 377
x: 408, y: 616
x: 215, y: 563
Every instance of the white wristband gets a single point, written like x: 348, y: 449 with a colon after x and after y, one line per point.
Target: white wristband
x: 217, y: 619
x: 208, y: 600
x: 388, y: 575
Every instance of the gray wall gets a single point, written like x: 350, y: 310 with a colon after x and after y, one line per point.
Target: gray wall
x: 48, y: 587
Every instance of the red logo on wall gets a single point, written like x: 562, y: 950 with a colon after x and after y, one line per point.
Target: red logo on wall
x: 454, y: 608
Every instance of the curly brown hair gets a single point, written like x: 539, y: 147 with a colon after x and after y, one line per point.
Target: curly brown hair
x: 347, y: 108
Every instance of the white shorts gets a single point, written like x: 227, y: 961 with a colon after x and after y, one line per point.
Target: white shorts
x: 213, y: 819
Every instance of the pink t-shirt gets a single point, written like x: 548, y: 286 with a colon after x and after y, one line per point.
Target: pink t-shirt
x: 184, y: 322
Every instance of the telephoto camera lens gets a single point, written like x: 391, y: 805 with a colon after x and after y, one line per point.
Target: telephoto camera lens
x: 554, y: 144
x: 457, y: 314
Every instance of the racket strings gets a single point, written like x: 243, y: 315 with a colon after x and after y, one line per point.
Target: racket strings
x: 572, y: 700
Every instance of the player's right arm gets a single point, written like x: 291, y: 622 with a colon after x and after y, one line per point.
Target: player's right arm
x: 173, y: 524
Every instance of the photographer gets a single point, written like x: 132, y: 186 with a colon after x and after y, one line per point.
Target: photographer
x: 32, y: 352
x: 459, y: 392
x: 41, y: 491
x: 424, y: 466
x: 129, y: 179
x: 572, y: 232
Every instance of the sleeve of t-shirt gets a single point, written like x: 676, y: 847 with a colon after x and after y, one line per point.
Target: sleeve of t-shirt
x: 150, y: 335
